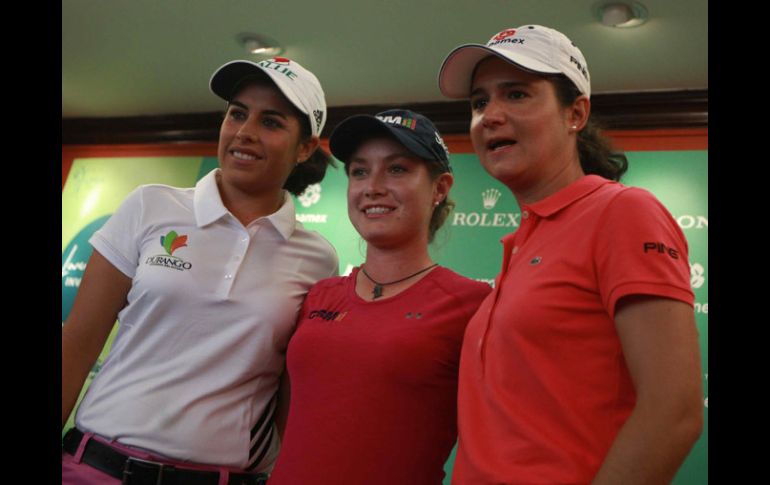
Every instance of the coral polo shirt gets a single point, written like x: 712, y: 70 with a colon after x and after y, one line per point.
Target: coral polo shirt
x: 543, y: 386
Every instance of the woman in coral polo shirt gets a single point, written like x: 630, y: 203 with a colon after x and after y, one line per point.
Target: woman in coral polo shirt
x: 583, y: 364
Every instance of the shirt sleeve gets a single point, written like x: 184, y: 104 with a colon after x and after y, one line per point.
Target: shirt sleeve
x: 117, y: 239
x: 640, y: 250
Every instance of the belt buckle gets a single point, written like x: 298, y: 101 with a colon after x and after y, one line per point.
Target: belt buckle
x: 161, y: 468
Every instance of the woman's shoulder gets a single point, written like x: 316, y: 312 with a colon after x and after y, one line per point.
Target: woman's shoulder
x: 334, y: 283
x: 460, y: 285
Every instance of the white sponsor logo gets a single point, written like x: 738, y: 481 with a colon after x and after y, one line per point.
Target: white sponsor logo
x: 697, y: 277
x: 692, y: 222
x: 487, y: 281
x: 311, y: 195
x: 495, y: 219
x: 317, y: 218
x: 701, y: 308
x: 490, y: 197
x: 70, y: 265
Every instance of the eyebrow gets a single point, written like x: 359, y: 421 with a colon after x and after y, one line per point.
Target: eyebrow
x: 505, y: 85
x: 389, y: 158
x: 268, y: 112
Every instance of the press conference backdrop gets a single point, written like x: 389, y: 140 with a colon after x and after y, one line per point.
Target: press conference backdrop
x: 468, y: 243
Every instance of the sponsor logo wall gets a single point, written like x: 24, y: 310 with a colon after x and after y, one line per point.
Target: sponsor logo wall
x: 468, y: 243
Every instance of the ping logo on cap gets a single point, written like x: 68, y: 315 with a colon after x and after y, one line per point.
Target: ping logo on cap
x: 318, y: 115
x: 410, y: 123
x: 579, y: 66
x: 280, y: 64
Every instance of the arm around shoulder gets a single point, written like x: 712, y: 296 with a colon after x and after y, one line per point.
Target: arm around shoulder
x: 101, y: 296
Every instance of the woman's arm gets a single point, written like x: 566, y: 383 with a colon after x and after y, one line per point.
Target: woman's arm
x: 282, y: 407
x: 660, y: 345
x: 101, y: 296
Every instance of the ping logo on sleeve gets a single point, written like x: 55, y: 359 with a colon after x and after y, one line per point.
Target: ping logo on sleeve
x: 659, y: 247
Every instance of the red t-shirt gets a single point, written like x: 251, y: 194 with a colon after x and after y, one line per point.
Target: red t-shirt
x: 374, y: 384
x: 544, y: 387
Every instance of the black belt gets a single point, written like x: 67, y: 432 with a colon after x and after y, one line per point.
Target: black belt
x: 136, y: 471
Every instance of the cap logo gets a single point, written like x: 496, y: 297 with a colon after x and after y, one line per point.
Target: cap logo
x: 281, y: 60
x: 280, y: 66
x: 319, y: 116
x: 440, y: 141
x: 503, y: 35
x: 410, y: 123
x: 579, y: 66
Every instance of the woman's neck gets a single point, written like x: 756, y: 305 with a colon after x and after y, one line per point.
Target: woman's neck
x: 247, y: 207
x: 384, y: 266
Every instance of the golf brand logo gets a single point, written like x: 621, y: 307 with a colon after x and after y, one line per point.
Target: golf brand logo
x: 410, y: 123
x: 279, y: 64
x: 697, y: 275
x: 170, y: 243
x: 318, y: 115
x: 310, y: 196
x: 490, y: 197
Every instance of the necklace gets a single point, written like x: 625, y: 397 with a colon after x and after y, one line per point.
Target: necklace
x: 377, y: 291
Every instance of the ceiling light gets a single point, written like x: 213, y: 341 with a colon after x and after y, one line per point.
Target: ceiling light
x: 259, y: 44
x: 620, y: 14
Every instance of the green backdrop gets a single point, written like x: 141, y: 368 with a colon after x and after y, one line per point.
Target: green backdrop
x: 469, y: 242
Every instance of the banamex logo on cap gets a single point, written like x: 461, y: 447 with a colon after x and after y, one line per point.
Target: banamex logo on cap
x: 503, y: 35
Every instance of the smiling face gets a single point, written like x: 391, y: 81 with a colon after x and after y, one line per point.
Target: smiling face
x: 260, y: 141
x: 520, y: 132
x: 391, y: 194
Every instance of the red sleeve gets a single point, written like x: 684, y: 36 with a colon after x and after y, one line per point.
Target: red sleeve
x: 640, y: 250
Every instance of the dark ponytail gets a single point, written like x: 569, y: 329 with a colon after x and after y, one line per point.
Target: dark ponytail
x: 597, y: 156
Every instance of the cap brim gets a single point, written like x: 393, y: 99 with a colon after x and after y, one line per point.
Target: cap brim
x: 226, y: 79
x: 455, y: 75
x: 348, y: 135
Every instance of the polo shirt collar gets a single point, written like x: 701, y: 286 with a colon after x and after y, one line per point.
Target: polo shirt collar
x: 284, y: 219
x: 209, y: 207
x: 568, y: 195
x: 207, y: 201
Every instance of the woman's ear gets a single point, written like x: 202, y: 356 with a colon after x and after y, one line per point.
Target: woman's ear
x: 444, y: 183
x: 578, y: 113
x: 307, y: 148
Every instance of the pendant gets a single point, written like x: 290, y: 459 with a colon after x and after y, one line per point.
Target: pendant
x: 376, y: 292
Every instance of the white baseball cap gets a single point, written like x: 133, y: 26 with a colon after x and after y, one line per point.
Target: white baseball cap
x: 534, y: 48
x: 299, y: 85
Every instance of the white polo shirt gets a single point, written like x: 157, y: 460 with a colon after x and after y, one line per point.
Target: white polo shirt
x: 201, y: 343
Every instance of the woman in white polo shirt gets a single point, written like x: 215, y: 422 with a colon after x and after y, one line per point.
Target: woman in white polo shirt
x: 206, y: 283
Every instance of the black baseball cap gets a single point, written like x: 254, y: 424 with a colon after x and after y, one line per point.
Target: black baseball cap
x: 413, y: 130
